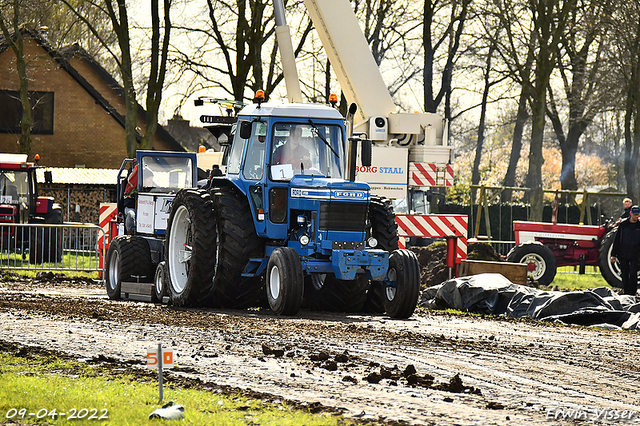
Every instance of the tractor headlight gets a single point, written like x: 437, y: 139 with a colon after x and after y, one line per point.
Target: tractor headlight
x: 304, y: 239
x: 372, y: 242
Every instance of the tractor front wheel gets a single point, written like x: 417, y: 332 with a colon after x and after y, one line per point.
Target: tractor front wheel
x: 285, y: 281
x: 540, y: 260
x: 401, y: 288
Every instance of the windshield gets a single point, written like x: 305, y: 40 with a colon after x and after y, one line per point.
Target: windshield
x: 309, y: 149
x: 14, y: 187
x: 166, y: 173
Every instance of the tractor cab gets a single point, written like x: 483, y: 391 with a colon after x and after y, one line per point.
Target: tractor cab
x: 19, y: 201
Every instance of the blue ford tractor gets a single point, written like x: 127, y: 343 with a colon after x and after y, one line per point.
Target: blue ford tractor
x: 289, y: 218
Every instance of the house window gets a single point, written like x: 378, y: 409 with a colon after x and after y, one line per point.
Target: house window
x: 41, y: 112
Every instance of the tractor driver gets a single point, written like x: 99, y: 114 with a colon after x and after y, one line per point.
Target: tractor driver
x: 292, y: 152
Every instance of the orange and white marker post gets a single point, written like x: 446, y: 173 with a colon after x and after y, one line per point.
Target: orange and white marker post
x: 160, y: 358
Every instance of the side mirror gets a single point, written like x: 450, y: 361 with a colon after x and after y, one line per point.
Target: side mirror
x: 366, y: 153
x: 245, y: 129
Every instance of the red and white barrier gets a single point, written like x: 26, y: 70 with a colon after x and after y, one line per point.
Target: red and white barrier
x: 435, y: 225
x: 426, y: 174
x: 107, y: 221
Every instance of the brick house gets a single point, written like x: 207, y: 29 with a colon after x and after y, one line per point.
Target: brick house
x: 79, y: 112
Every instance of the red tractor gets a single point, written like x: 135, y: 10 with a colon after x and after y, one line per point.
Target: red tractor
x: 20, y: 203
x: 546, y: 246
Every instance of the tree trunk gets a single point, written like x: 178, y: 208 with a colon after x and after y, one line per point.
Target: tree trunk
x: 17, y: 45
x: 536, y: 159
x: 475, y: 174
x: 629, y: 166
x: 516, y: 145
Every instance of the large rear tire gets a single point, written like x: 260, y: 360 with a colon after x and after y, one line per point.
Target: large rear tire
x: 128, y: 259
x: 384, y: 229
x: 285, y: 281
x: 610, y: 271
x: 327, y: 293
x: 238, y: 242
x: 540, y: 261
x: 190, y: 248
x: 402, y: 286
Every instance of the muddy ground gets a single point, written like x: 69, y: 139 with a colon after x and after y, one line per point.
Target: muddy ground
x: 434, y: 368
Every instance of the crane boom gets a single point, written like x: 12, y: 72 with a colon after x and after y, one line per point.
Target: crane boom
x: 350, y: 56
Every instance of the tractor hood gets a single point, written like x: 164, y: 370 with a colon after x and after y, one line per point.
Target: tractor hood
x: 328, y: 188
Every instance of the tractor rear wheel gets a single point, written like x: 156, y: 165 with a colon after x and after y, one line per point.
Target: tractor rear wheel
x: 324, y: 292
x: 285, y: 281
x: 540, y: 261
x: 128, y: 259
x: 402, y: 286
x: 237, y: 243
x: 610, y: 271
x: 384, y: 229
x: 190, y: 248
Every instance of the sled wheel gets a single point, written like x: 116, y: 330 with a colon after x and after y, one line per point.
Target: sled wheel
x: 540, y: 261
x: 128, y: 259
x: 160, y: 282
x: 401, y: 288
x: 285, y: 282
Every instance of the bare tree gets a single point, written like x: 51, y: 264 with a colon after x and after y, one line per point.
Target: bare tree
x: 626, y: 51
x: 475, y: 174
x: 534, y: 26
x: 448, y: 40
x: 117, y: 13
x: 584, y: 80
x: 11, y: 25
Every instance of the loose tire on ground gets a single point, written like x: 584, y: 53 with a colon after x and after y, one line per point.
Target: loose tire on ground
x: 128, y: 259
x: 384, y: 229
x: 610, y: 271
x: 285, y: 281
x: 237, y: 243
x: 335, y: 295
x: 190, y: 248
x: 540, y: 259
x: 400, y: 299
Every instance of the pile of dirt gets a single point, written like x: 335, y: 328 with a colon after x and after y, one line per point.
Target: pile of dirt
x: 433, y: 260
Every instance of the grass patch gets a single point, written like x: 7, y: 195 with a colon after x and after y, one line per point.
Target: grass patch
x: 73, y: 265
x: 568, y: 279
x: 44, y: 383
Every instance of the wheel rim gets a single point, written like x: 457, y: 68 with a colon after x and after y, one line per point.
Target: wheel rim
x: 392, y: 277
x: 317, y: 280
x: 180, y: 249
x: 114, y: 270
x: 274, y: 282
x: 536, y: 266
x: 158, y: 280
x: 615, y: 266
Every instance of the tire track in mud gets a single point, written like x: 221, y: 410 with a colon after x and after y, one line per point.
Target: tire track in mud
x: 520, y: 367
